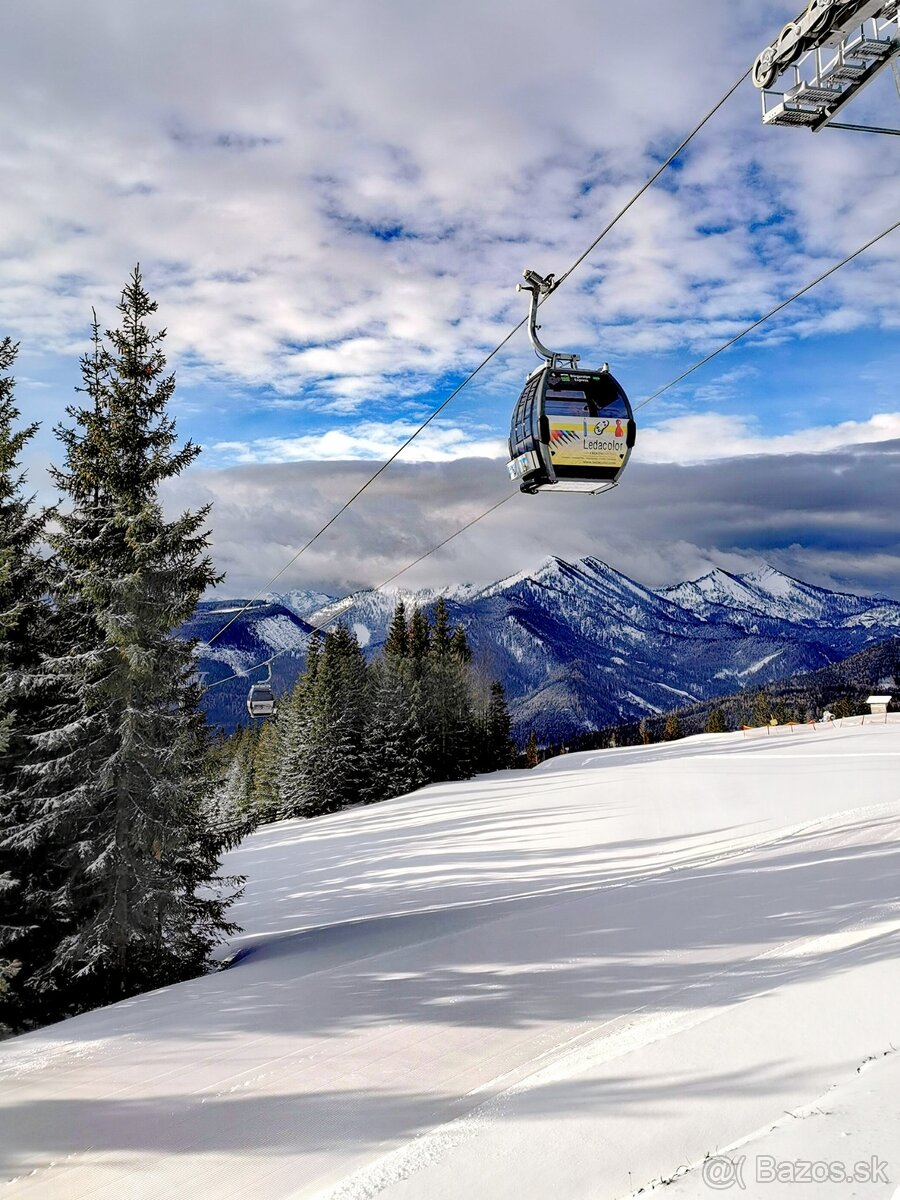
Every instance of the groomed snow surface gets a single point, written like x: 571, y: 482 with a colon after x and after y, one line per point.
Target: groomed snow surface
x: 577, y: 981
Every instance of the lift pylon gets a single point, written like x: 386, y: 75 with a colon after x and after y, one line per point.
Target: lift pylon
x: 833, y: 50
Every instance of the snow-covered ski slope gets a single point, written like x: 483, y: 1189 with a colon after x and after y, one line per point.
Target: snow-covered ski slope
x: 568, y: 982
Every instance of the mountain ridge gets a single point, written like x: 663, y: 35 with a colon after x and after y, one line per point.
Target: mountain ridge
x: 578, y: 646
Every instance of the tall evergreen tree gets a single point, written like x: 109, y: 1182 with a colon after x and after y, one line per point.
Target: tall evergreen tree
x: 762, y: 710
x: 24, y: 616
x: 395, y: 744
x: 441, y: 633
x: 459, y: 644
x: 397, y: 641
x: 335, y: 772
x: 532, y: 750
x: 8, y: 971
x: 447, y: 717
x: 672, y: 731
x: 716, y: 722
x: 227, y: 808
x: 265, y: 791
x: 26, y: 631
x: 231, y: 804
x: 500, y: 749
x: 419, y: 639
x: 121, y: 783
x: 295, y: 721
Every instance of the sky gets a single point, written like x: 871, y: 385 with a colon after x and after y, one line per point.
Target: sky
x: 332, y: 204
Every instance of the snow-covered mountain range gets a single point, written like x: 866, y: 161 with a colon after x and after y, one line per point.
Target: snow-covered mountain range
x: 577, y: 645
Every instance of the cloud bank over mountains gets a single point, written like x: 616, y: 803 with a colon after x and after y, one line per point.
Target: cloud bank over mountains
x: 827, y: 518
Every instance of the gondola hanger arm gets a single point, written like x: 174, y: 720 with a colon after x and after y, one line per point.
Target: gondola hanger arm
x: 540, y: 286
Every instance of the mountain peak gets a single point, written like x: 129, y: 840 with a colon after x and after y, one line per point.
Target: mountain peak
x: 772, y: 580
x: 552, y: 565
x: 598, y: 566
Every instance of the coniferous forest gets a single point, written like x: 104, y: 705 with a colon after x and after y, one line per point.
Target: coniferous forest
x: 352, y: 732
x: 117, y: 802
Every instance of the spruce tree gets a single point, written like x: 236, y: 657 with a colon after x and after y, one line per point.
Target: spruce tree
x: 395, y: 744
x: 716, y: 722
x: 397, y: 641
x: 122, y: 785
x: 265, y: 792
x: 761, y: 709
x: 447, y: 717
x: 672, y: 731
x: 335, y: 771
x: 295, y: 721
x: 8, y: 971
x: 532, y: 750
x: 500, y: 748
x: 27, y: 630
x: 459, y: 644
x: 441, y: 633
x: 419, y: 639
x: 228, y: 807
x: 24, y: 616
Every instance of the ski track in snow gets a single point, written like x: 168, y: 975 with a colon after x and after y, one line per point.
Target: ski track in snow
x: 464, y: 991
x: 568, y: 1062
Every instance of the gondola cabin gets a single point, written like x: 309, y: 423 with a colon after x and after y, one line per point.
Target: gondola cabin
x: 261, y: 700
x: 572, y: 431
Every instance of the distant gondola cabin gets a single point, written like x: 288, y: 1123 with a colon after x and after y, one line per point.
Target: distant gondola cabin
x: 261, y: 701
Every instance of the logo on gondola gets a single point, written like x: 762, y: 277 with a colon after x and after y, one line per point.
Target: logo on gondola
x: 602, y: 426
x: 562, y: 436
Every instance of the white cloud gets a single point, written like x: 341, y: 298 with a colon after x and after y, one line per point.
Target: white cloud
x: 704, y: 437
x: 686, y: 438
x: 334, y: 201
x: 828, y: 518
x: 377, y: 440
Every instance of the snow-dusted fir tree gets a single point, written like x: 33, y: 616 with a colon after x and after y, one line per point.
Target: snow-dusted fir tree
x: 295, y: 727
x: 672, y: 730
x: 762, y: 709
x: 8, y: 971
x: 122, y: 776
x: 23, y: 579
x: 26, y: 629
x: 499, y: 747
x: 264, y: 790
x: 418, y: 639
x: 716, y: 722
x: 532, y: 750
x: 395, y: 743
x: 335, y: 770
x: 229, y: 805
x: 448, y: 719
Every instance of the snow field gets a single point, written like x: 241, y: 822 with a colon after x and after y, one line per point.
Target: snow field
x: 573, y: 981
